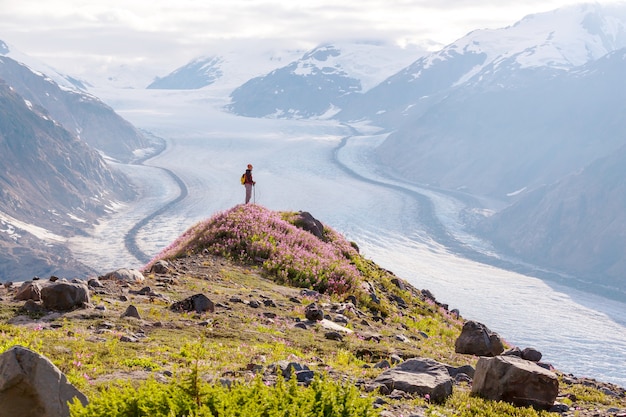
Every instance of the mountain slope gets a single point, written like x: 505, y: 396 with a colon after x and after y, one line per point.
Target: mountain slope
x: 576, y: 225
x: 79, y: 112
x: 52, y: 185
x: 494, y: 140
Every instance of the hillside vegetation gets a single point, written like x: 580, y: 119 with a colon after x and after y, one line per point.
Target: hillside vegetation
x: 261, y: 270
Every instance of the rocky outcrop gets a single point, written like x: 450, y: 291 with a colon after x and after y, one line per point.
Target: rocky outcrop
x: 30, y: 385
x: 477, y: 339
x: 307, y: 222
x: 515, y: 380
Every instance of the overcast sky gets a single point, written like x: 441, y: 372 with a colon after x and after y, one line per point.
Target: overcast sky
x: 166, y: 34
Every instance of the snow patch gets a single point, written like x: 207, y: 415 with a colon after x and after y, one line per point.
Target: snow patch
x: 38, y: 232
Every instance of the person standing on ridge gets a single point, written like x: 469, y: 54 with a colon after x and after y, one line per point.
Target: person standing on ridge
x: 248, y: 183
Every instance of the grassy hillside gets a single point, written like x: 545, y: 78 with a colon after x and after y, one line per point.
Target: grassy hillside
x: 260, y: 270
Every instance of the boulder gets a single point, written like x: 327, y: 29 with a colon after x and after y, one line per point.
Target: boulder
x: 477, y: 339
x: 199, y: 303
x: 419, y: 376
x: 131, y: 311
x: 30, y: 385
x: 64, y: 296
x: 160, y: 267
x: 124, y: 275
x: 515, y: 380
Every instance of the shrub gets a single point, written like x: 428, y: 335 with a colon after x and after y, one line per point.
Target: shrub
x: 322, y: 398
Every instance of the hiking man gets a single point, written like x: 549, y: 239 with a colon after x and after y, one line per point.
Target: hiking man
x: 248, y: 183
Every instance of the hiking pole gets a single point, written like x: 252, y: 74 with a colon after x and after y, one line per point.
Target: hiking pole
x: 254, y: 193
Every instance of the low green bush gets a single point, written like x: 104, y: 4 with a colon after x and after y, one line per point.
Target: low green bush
x: 194, y: 397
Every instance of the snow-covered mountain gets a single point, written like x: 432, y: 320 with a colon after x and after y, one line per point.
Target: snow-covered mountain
x: 199, y: 73
x: 320, y: 82
x: 229, y: 65
x: 502, y: 110
x: 555, y: 41
x: 63, y: 80
x: 78, y: 111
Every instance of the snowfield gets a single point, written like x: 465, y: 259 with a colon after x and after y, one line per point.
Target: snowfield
x: 309, y: 165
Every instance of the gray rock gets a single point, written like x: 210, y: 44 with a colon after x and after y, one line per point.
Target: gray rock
x: 29, y: 291
x: 131, y: 311
x: 30, y: 385
x: 477, y: 339
x: 531, y: 354
x: 288, y: 369
x: 515, y: 380
x: 314, y: 312
x: 465, y: 369
x: 332, y: 335
x: 64, y: 296
x: 419, y: 376
x: 307, y: 222
x: 199, y: 303
x: 160, y: 267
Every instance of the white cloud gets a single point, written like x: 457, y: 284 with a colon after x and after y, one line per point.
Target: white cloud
x: 77, y: 36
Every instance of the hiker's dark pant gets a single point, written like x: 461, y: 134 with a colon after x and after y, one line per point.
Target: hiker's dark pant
x: 248, y: 192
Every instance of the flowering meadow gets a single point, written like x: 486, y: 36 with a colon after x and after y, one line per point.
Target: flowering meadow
x: 287, y: 253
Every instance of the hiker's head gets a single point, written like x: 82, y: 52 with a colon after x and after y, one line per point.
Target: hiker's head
x: 249, y: 166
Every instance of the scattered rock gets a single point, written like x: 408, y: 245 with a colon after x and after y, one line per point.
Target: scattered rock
x: 398, y: 283
x: 313, y: 312
x: 465, y: 369
x: 332, y: 335
x: 332, y: 326
x: 287, y: 369
x: 384, y: 364
x: 94, y: 283
x: 199, y: 303
x: 477, y: 339
x: 31, y: 385
x: 129, y: 339
x: 515, y: 380
x: 131, y: 311
x: 160, y: 267
x: 419, y: 376
x: 531, y: 354
x: 269, y: 303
